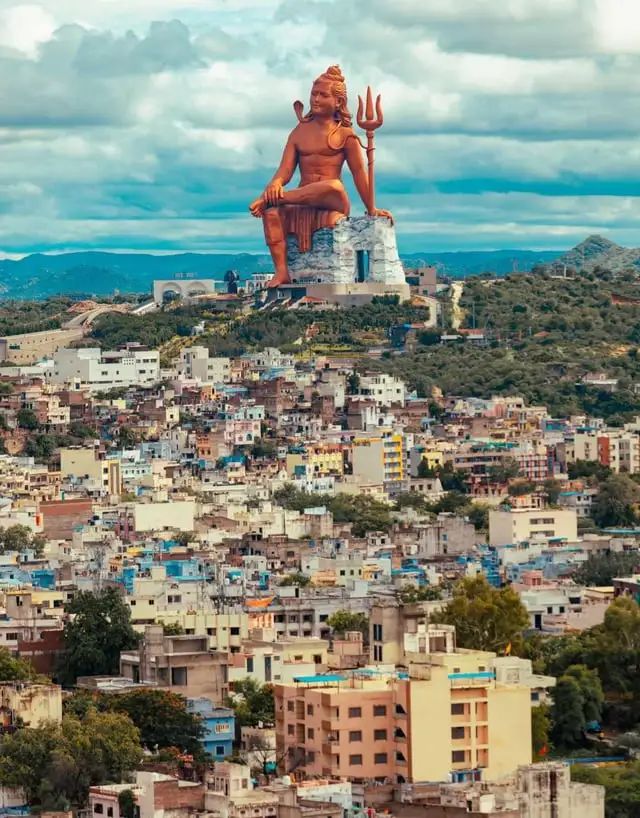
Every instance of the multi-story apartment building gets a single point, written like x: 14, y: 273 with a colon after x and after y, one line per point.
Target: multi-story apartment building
x: 383, y: 389
x: 182, y: 664
x: 523, y: 524
x: 97, y: 370
x: 317, y: 459
x: 617, y: 449
x: 380, y: 459
x: 373, y: 727
x: 195, y: 362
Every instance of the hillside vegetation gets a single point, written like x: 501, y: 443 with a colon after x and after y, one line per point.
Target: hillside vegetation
x: 543, y: 334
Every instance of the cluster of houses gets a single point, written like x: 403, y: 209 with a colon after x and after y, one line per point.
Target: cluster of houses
x: 171, y: 491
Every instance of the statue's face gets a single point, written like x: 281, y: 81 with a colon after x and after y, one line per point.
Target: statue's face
x: 323, y: 102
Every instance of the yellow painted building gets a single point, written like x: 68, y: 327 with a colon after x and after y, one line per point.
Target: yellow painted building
x: 433, y: 458
x: 318, y: 459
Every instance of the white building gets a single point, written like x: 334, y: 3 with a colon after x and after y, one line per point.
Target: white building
x: 196, y: 363
x: 383, y: 389
x: 97, y: 370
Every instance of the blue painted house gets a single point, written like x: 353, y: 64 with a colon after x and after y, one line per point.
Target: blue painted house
x: 219, y: 726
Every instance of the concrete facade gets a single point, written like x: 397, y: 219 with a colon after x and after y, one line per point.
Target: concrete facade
x: 356, y: 250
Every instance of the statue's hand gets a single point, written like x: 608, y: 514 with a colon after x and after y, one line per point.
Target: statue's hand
x: 385, y: 213
x: 273, y: 192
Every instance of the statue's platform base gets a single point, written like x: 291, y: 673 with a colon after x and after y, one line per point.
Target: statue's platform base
x: 344, y: 295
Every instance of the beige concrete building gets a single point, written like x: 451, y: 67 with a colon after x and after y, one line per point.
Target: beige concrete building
x: 617, y: 449
x: 100, y: 474
x: 29, y: 705
x: 30, y: 347
x: 525, y: 524
x: 175, y: 514
x: 182, y: 664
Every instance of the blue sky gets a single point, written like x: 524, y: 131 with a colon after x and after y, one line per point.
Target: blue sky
x: 150, y: 124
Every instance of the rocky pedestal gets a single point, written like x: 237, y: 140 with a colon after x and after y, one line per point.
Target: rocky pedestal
x: 357, y: 250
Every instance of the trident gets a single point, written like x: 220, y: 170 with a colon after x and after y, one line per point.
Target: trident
x: 370, y: 125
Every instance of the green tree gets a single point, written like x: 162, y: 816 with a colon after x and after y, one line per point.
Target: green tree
x: 600, y: 569
x: 25, y: 756
x: 252, y: 703
x: 507, y: 470
x: 616, y: 502
x: 41, y: 447
x: 56, y: 764
x: 127, y: 438
x: 128, y: 806
x: 98, y: 629
x: 27, y: 419
x: 343, y: 621
x: 162, y: 719
x: 353, y: 383
x: 412, y: 593
x: 591, y: 689
x: 15, y: 538
x: 411, y: 499
x: 621, y: 784
x: 15, y: 669
x: 485, y: 618
x: 172, y: 628
x: 425, y: 471
x: 299, y: 579
x: 577, y: 700
x: 540, y: 732
x: 567, y: 714
x: 591, y: 469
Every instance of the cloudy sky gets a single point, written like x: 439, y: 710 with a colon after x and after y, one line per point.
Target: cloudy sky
x: 150, y: 124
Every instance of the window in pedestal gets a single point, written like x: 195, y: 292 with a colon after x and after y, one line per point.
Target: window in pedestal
x: 362, y: 261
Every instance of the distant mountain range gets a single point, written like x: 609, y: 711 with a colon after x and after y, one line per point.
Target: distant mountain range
x: 596, y: 251
x: 97, y: 273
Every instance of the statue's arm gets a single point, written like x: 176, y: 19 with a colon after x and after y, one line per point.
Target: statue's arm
x: 286, y: 169
x: 355, y: 161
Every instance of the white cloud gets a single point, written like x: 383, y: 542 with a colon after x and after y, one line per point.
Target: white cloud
x: 25, y: 27
x: 154, y: 122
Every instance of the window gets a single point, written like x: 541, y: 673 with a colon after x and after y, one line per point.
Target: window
x: 234, y: 631
x: 309, y: 710
x: 179, y: 676
x: 380, y: 758
x: 457, y: 709
x: 249, y: 664
x: 457, y: 756
x: 355, y: 712
x: 377, y: 653
x: 379, y: 710
x: 355, y: 760
x: 457, y: 732
x: 311, y: 733
x: 379, y: 735
x: 291, y: 706
x: 355, y: 735
x: 290, y: 730
x: 110, y: 812
x: 377, y: 633
x: 98, y: 809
